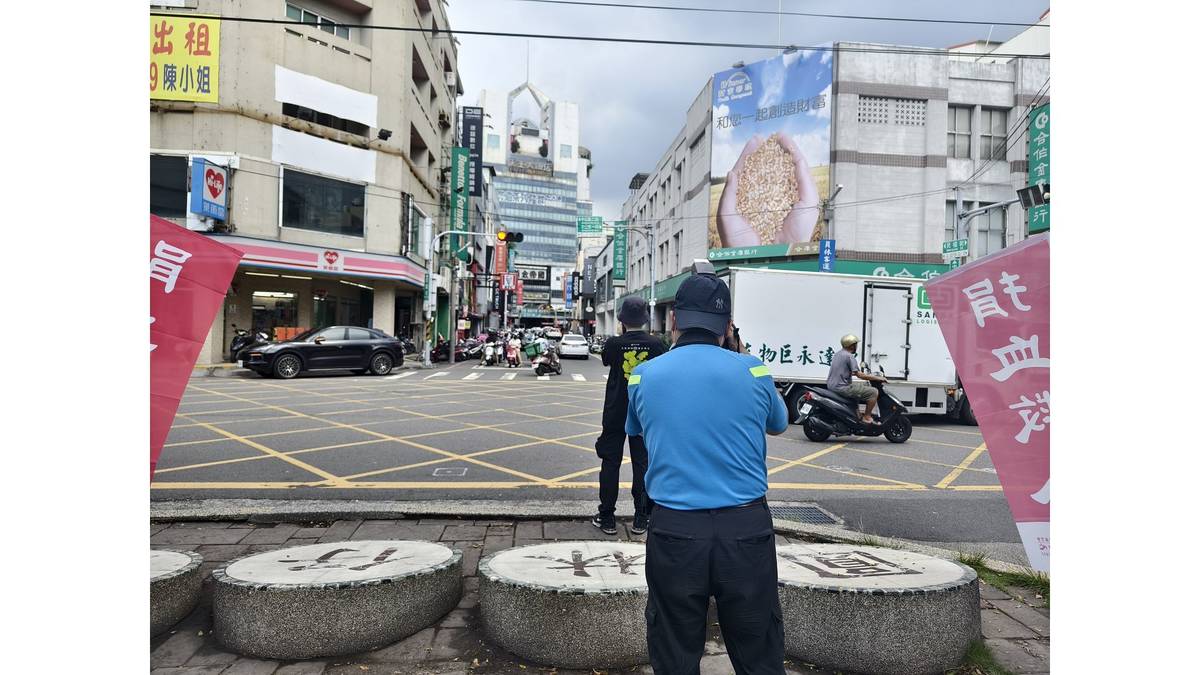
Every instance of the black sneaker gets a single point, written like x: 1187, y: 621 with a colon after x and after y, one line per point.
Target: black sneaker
x: 606, y: 524
x: 640, y: 524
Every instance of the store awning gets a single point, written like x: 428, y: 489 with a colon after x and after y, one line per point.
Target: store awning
x: 288, y: 256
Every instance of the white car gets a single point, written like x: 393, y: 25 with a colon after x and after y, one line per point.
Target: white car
x: 573, y: 345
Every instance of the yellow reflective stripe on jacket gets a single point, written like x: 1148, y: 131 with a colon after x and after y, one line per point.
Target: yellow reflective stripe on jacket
x: 760, y: 371
x: 634, y: 379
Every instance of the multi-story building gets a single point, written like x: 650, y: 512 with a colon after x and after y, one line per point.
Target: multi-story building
x: 907, y: 129
x: 541, y: 184
x: 334, y: 138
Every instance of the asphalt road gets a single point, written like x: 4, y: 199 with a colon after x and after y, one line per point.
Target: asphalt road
x: 469, y: 432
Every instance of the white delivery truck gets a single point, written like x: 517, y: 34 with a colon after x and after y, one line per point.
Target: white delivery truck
x: 794, y: 322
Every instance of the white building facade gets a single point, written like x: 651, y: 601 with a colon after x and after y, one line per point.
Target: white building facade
x: 334, y: 137
x: 906, y: 129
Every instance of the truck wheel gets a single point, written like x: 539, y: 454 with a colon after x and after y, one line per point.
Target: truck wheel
x: 899, y: 431
x: 794, y: 401
x: 966, y: 415
x: 813, y: 433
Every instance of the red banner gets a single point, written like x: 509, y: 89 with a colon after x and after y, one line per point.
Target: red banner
x: 520, y: 292
x: 995, y: 315
x: 501, y: 263
x: 189, y: 274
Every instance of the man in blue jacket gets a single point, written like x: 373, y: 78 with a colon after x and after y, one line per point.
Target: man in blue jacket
x: 704, y: 412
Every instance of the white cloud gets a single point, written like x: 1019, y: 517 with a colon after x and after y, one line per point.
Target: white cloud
x: 823, y: 113
x: 724, y: 150
x: 774, y: 77
x: 826, y: 56
x: 814, y: 145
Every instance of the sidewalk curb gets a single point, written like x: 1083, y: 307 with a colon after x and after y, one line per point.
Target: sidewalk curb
x: 308, y: 510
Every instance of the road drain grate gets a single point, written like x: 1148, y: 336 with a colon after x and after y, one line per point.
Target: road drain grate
x: 812, y: 515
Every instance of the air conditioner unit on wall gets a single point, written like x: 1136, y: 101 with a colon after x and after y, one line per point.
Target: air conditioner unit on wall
x: 451, y: 79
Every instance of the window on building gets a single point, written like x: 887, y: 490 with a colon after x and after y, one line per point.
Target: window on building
x: 950, y: 231
x: 993, y: 134
x: 958, y: 134
x: 323, y: 204
x: 990, y: 228
x: 493, y: 141
x: 676, y: 240
x: 325, y: 119
x: 874, y: 110
x: 168, y: 185
x: 326, y: 24
x: 565, y: 151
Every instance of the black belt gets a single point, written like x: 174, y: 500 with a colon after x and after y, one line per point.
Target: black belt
x: 755, y: 502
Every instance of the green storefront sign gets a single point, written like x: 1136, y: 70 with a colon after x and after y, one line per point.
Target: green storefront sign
x: 620, y: 242
x: 590, y: 225
x: 765, y: 251
x: 460, y: 172
x: 1039, y: 164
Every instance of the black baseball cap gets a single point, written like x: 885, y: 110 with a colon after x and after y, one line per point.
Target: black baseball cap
x: 703, y: 301
x: 634, y: 312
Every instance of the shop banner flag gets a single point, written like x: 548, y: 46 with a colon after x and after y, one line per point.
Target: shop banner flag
x: 995, y: 316
x: 189, y: 274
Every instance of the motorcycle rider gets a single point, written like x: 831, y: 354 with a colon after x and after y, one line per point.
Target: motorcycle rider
x: 845, y: 365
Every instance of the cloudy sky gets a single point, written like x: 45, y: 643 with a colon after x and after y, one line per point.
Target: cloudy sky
x: 632, y: 98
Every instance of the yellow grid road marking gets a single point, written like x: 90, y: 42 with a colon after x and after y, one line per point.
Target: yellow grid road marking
x: 519, y: 474
x: 804, y: 459
x: 431, y: 462
x: 914, y: 459
x: 276, y: 454
x: 238, y: 460
x: 263, y: 435
x: 962, y: 466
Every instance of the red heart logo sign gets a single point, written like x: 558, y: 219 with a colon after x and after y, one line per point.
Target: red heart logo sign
x: 215, y: 183
x: 331, y: 257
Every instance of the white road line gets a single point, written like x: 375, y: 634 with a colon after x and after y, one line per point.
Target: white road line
x: 438, y: 374
x: 473, y: 376
x: 578, y: 377
x: 401, y: 375
x: 543, y: 377
x: 508, y: 376
x: 606, y: 376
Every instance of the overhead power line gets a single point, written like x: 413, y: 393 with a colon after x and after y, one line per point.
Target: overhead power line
x: 767, y: 12
x: 1012, y: 137
x: 448, y: 33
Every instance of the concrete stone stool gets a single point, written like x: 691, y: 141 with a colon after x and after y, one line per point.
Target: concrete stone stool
x: 174, y: 587
x: 876, y: 610
x: 332, y: 599
x: 572, y: 604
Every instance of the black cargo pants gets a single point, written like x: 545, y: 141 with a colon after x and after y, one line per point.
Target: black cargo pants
x: 725, y: 553
x: 610, y: 448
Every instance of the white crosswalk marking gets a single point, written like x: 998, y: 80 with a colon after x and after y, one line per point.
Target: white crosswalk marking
x: 508, y: 376
x: 578, y: 377
x: 473, y: 376
x: 401, y: 375
x: 438, y: 374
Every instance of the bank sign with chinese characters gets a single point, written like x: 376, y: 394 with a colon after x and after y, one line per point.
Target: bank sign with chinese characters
x: 995, y: 316
x: 1039, y: 164
x: 184, y: 58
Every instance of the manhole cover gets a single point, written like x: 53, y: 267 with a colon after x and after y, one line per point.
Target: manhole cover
x: 812, y: 515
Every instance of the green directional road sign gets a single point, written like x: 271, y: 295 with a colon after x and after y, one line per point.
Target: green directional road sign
x: 956, y: 248
x: 591, y: 225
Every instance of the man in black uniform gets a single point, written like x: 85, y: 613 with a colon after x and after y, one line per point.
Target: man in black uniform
x: 621, y: 355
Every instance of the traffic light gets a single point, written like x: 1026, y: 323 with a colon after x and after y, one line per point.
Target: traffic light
x: 510, y: 237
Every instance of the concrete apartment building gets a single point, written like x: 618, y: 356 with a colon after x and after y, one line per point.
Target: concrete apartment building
x: 335, y: 139
x: 905, y: 129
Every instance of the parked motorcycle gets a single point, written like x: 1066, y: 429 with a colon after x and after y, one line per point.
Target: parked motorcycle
x: 825, y: 413
x: 244, y: 339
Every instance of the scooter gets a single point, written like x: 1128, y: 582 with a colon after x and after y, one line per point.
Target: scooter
x: 243, y: 340
x: 512, y: 352
x: 490, y: 355
x: 547, y: 362
x: 825, y: 413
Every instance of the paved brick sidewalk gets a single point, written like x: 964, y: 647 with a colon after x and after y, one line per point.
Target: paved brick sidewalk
x: 1018, y: 634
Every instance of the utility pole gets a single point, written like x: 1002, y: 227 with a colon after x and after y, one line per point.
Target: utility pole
x: 962, y: 219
